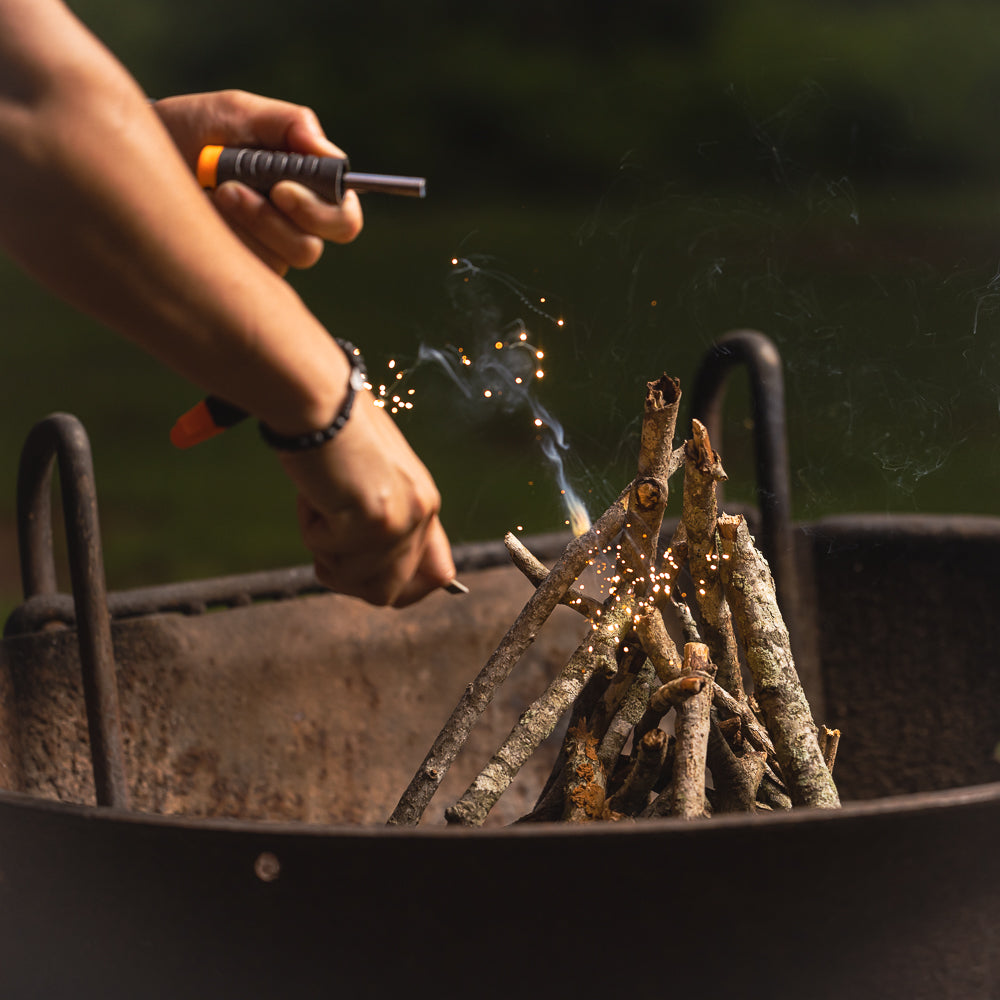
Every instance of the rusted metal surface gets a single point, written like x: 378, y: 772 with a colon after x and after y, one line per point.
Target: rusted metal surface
x: 318, y: 708
x: 910, y: 651
x: 308, y: 710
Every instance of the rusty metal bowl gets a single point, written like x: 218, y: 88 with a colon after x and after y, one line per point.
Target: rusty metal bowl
x: 239, y: 850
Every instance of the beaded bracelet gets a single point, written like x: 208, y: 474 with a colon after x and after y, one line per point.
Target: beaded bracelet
x: 316, y: 439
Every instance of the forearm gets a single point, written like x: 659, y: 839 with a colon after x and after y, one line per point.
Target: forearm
x: 101, y: 207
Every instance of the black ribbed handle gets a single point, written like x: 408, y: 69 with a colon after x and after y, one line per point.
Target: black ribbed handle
x: 261, y: 169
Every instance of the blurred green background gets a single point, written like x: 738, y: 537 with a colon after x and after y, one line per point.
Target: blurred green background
x: 659, y: 172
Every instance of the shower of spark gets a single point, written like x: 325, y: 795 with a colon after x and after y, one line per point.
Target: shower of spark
x: 504, y: 367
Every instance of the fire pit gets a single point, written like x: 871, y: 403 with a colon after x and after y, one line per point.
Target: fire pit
x: 246, y: 760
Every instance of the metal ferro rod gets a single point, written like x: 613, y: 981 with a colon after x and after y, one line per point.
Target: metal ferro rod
x: 413, y: 187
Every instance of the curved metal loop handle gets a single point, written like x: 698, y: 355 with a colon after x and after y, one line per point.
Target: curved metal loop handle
x: 760, y: 357
x: 61, y: 437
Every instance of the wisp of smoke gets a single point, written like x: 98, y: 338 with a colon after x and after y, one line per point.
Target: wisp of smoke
x: 503, y: 366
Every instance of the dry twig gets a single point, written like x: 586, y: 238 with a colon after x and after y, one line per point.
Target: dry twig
x: 750, y: 592
x: 519, y: 637
x: 630, y: 711
x: 762, y: 748
x: 829, y: 741
x: 691, y: 695
x: 586, y: 781
x: 650, y: 755
x: 597, y: 651
x: 536, y: 571
x: 737, y: 777
x: 699, y: 513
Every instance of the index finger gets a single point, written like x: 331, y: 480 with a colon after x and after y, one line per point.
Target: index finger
x: 436, y: 568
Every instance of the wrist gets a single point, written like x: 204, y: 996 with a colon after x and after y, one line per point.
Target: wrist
x: 319, y: 434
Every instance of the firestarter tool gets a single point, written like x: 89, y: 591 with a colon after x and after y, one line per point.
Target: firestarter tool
x: 328, y: 176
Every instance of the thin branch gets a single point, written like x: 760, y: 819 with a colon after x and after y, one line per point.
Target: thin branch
x: 737, y: 777
x: 750, y: 592
x: 700, y: 511
x: 663, y: 398
x: 658, y: 645
x: 829, y: 741
x: 649, y: 493
x: 597, y: 651
x: 633, y: 796
x: 536, y: 571
x: 691, y: 695
x: 583, y: 796
x: 754, y: 731
x: 519, y: 637
x: 630, y: 711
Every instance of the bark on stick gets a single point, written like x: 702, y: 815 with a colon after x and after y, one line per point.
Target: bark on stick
x: 691, y: 695
x: 536, y: 571
x: 586, y: 777
x: 633, y: 796
x: 540, y: 719
x: 497, y: 669
x: 658, y: 645
x: 736, y: 776
x: 630, y: 711
x: 700, y: 510
x: 750, y: 592
x: 648, y: 497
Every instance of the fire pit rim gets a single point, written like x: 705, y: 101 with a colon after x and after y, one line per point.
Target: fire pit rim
x: 967, y: 797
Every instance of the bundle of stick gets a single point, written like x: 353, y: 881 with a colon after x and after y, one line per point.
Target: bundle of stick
x: 630, y: 682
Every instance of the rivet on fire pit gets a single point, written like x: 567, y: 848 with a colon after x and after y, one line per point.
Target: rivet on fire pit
x: 267, y: 867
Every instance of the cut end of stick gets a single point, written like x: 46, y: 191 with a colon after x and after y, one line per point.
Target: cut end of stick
x: 729, y: 525
x: 664, y: 392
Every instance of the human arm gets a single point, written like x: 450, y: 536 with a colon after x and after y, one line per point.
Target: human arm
x: 99, y: 204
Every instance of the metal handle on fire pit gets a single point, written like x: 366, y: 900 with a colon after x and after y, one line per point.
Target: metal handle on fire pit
x: 767, y: 389
x: 62, y: 437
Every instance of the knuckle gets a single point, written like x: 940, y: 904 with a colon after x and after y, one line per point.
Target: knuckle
x: 235, y: 98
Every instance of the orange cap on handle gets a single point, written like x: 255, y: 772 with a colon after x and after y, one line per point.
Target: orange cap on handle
x: 208, y: 166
